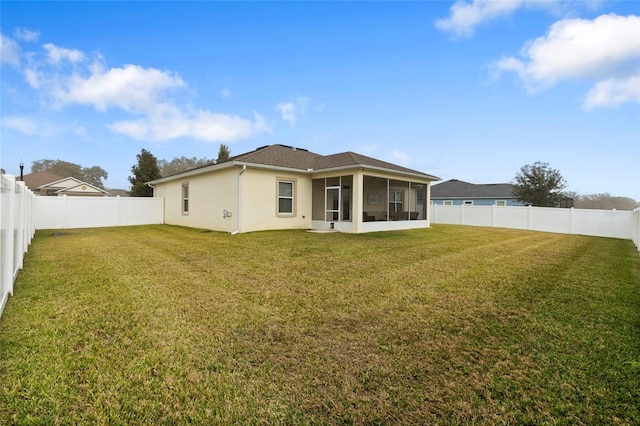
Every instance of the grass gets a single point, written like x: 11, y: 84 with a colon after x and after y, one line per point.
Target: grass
x: 449, y: 325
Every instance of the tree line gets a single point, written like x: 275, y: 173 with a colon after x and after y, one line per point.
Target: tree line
x: 149, y: 168
x: 535, y: 184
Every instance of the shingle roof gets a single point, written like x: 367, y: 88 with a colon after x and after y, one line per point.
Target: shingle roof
x: 298, y: 158
x: 36, y: 180
x: 279, y: 156
x: 301, y: 159
x: 459, y: 189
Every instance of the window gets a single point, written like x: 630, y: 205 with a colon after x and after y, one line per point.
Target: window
x: 396, y: 201
x: 185, y: 198
x: 468, y: 202
x: 285, y: 197
x: 501, y: 203
x: 447, y: 203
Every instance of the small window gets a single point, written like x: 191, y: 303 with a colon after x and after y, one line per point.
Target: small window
x: 468, y: 202
x: 185, y: 198
x: 447, y: 203
x: 396, y: 201
x: 501, y: 203
x: 285, y: 197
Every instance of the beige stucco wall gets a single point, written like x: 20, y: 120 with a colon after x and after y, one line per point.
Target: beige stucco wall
x: 260, y: 198
x: 210, y: 195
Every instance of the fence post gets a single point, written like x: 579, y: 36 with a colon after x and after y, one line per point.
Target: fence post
x: 571, y: 219
x: 462, y: 214
x: 529, y: 210
x: 493, y: 215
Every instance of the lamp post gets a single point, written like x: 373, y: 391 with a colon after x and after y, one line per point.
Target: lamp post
x: 21, y: 171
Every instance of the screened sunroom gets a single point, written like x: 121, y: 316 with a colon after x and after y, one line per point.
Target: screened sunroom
x: 366, y: 202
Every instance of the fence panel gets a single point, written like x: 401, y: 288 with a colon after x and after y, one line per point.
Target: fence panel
x: 95, y: 212
x: 511, y: 217
x: 16, y: 231
x: 598, y: 223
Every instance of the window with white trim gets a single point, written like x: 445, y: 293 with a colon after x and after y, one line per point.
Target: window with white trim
x: 286, y: 192
x: 396, y: 201
x: 447, y: 203
x: 185, y: 198
x: 501, y: 203
x: 468, y: 202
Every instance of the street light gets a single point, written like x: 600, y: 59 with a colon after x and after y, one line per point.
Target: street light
x: 21, y: 170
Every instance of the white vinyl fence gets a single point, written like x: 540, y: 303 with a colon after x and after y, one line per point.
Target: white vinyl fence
x: 96, y: 212
x: 22, y: 212
x: 17, y: 230
x: 599, y: 223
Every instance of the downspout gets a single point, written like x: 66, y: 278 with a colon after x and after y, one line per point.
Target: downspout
x: 152, y: 187
x: 239, y: 212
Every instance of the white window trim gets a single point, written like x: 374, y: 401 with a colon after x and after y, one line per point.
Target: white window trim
x: 294, y: 184
x: 468, y: 202
x: 447, y: 202
x: 185, y: 212
x: 501, y: 203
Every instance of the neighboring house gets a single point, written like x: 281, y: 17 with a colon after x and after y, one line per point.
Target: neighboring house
x: 282, y: 187
x: 456, y: 192
x: 118, y: 193
x: 49, y: 184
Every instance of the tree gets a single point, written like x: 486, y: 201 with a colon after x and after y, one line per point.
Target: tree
x: 539, y: 185
x: 180, y: 164
x: 145, y: 171
x: 223, y: 153
x: 603, y: 201
x: 92, y: 175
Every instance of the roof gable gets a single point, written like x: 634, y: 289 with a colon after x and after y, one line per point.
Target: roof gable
x: 62, y: 183
x: 459, y: 189
x: 82, y: 188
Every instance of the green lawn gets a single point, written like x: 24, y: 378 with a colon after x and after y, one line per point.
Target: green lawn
x: 448, y: 325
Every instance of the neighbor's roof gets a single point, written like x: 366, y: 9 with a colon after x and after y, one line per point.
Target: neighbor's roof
x: 287, y: 157
x: 36, y: 180
x: 459, y: 189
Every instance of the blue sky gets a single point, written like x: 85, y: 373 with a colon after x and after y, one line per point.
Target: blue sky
x: 469, y: 90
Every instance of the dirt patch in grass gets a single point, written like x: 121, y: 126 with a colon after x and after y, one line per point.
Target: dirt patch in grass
x: 164, y: 324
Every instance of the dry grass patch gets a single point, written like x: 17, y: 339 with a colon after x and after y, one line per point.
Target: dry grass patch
x: 167, y: 325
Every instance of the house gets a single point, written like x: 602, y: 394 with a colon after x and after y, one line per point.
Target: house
x: 49, y: 184
x: 283, y: 187
x: 456, y: 192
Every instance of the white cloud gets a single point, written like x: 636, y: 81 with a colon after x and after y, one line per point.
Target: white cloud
x: 132, y: 88
x: 26, y: 35
x: 144, y: 93
x: 606, y: 49
x: 137, y: 129
x: 614, y: 92
x: 170, y: 123
x: 464, y: 17
x: 287, y: 112
x: 22, y: 124
x: 57, y: 54
x: 290, y: 111
x: 33, y: 77
x: 401, y: 158
x: 9, y: 51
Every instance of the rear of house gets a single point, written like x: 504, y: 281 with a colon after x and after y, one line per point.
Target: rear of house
x: 281, y: 187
